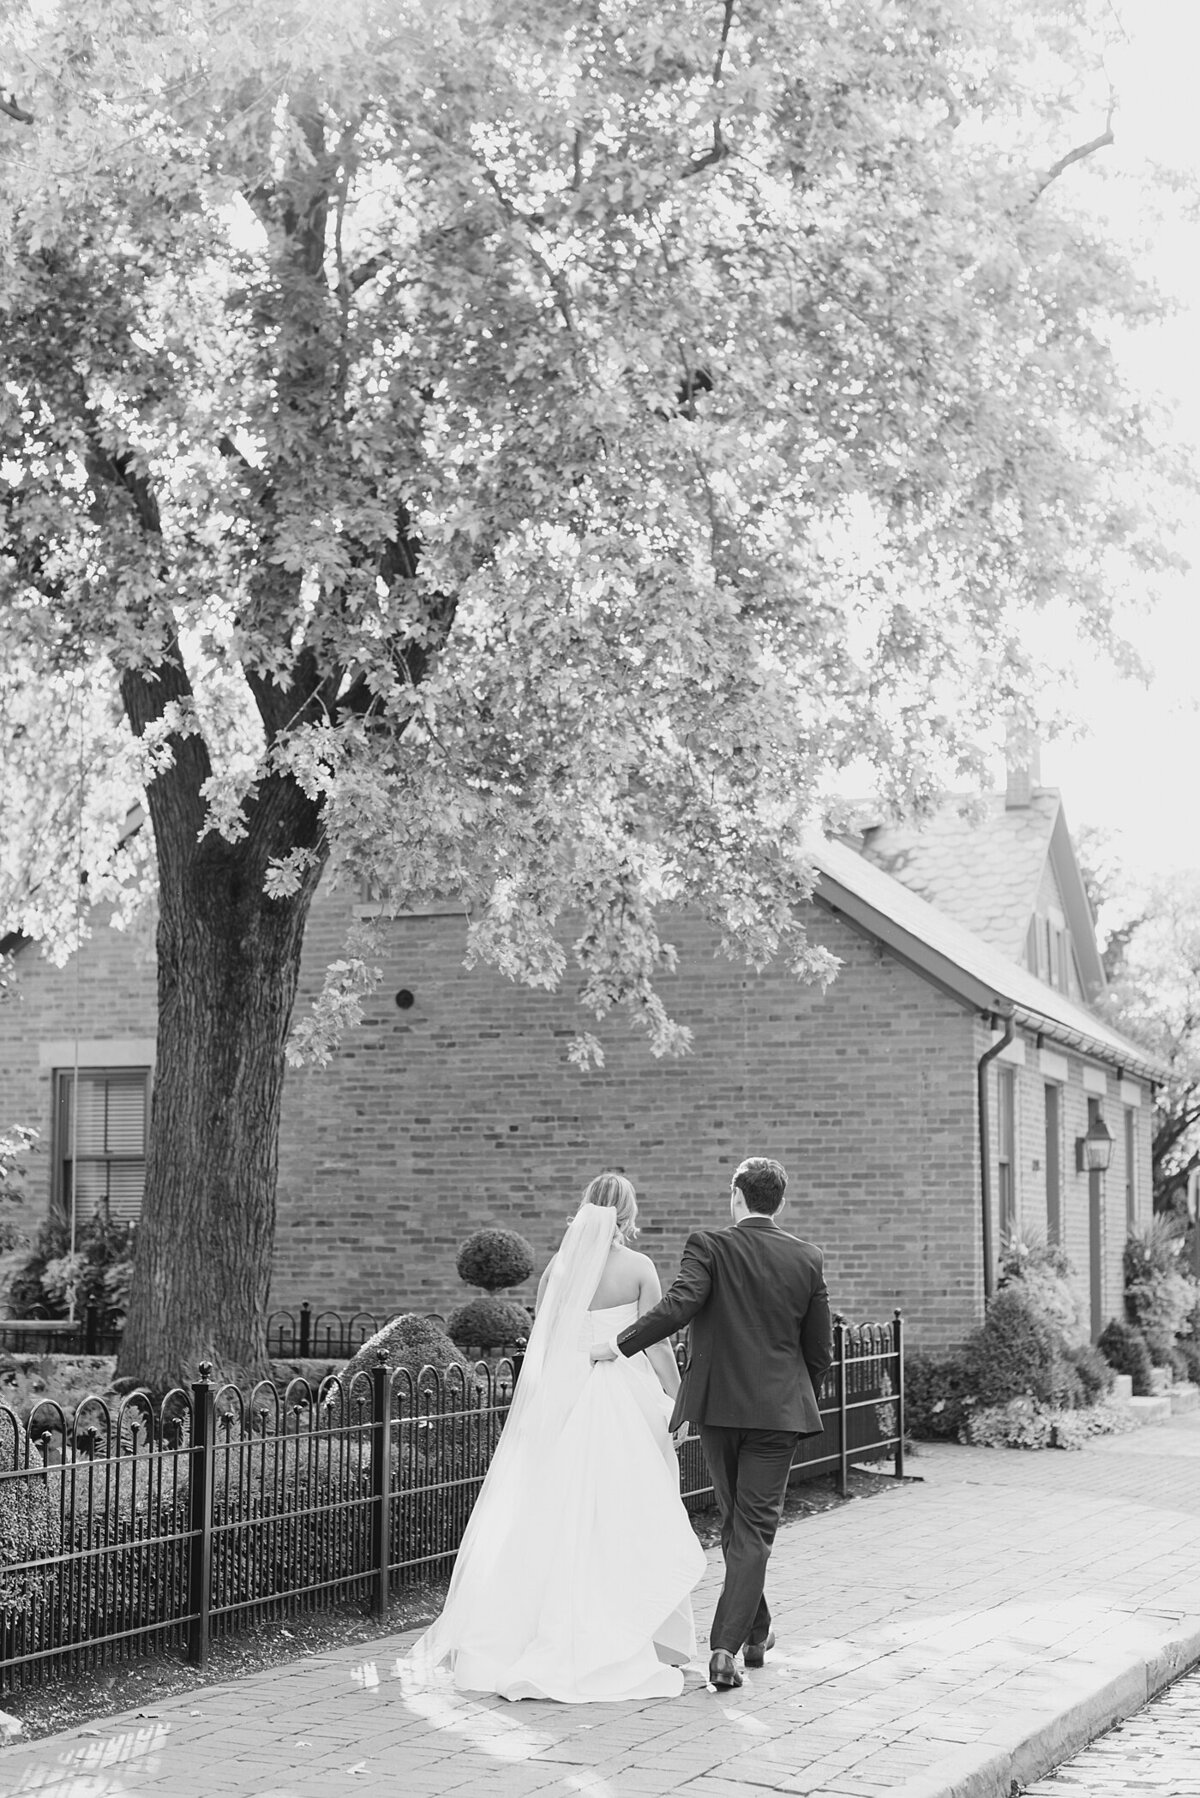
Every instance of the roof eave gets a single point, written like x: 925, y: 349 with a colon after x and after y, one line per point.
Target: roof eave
x: 959, y: 983
x: 917, y: 954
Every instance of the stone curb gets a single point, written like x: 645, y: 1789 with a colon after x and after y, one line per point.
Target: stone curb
x: 1010, y: 1769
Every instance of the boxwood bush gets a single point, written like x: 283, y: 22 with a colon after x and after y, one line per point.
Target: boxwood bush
x: 1126, y: 1351
x: 29, y: 1526
x: 489, y: 1322
x: 495, y: 1259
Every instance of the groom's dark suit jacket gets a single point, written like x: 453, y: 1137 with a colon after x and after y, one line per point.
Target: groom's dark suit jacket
x: 761, y: 1337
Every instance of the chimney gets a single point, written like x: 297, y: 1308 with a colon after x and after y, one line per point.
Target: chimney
x: 1022, y: 756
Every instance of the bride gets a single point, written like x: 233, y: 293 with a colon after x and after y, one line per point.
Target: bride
x: 574, y: 1577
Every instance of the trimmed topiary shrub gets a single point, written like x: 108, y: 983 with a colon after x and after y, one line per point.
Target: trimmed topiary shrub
x: 1126, y: 1351
x: 934, y: 1391
x: 1095, y: 1374
x: 1189, y: 1348
x: 489, y: 1322
x: 407, y: 1341
x: 29, y: 1527
x: 495, y: 1259
x: 1013, y: 1354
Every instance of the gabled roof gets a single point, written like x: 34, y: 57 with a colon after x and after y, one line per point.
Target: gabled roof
x: 983, y: 862
x: 962, y: 963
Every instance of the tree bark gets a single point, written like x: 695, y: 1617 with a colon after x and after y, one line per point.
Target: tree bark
x: 228, y: 963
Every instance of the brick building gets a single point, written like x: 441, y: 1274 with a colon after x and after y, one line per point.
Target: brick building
x: 454, y: 1104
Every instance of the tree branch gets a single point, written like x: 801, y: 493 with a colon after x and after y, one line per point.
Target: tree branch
x: 257, y: 483
x: 366, y: 271
x: 557, y: 281
x: 10, y: 106
x: 720, y: 149
x: 1076, y: 155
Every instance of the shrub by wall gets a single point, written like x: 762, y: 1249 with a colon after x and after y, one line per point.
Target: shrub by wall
x: 934, y: 1391
x: 489, y: 1322
x: 29, y: 1527
x: 1094, y: 1373
x: 1159, y: 1296
x: 1042, y: 1273
x: 1126, y: 1351
x: 1013, y: 1353
x: 495, y: 1259
x: 408, y: 1341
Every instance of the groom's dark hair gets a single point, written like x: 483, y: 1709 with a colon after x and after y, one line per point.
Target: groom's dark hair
x: 762, y: 1183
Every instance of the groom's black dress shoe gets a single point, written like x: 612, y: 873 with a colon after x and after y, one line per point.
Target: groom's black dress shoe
x: 722, y: 1670
x: 755, y: 1651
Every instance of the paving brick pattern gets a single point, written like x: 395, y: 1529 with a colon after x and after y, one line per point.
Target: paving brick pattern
x: 1155, y: 1752
x: 939, y: 1641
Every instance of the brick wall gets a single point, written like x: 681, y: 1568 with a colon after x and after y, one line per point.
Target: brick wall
x: 463, y: 1111
x: 106, y: 995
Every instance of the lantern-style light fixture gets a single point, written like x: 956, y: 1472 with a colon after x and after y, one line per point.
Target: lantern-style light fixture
x: 1093, y: 1152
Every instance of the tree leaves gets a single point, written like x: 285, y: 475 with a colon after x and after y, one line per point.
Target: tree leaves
x: 558, y: 440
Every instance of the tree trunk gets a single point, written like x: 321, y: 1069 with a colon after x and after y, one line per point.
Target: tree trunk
x: 228, y: 963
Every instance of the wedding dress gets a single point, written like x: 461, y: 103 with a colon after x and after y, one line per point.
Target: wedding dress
x: 574, y: 1577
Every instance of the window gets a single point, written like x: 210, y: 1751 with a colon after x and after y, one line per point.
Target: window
x: 1130, y: 1165
x: 1053, y: 1163
x: 1006, y: 1083
x: 100, y: 1142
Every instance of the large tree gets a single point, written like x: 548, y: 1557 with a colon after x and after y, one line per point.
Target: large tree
x: 521, y: 448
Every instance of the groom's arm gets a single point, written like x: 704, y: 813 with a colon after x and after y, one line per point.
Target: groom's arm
x: 816, y: 1332
x: 678, y: 1306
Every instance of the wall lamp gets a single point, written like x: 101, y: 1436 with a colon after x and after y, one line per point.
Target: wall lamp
x: 1093, y: 1152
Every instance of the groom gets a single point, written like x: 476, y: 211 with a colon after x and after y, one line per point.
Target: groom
x: 760, y: 1342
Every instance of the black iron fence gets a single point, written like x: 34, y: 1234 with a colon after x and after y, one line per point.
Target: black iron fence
x: 93, y: 1332
x: 158, y: 1527
x: 300, y: 1335
x: 308, y: 1335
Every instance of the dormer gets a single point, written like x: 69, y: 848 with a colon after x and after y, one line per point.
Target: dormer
x: 1003, y: 866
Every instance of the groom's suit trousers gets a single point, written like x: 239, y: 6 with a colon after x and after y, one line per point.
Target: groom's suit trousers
x: 749, y: 1471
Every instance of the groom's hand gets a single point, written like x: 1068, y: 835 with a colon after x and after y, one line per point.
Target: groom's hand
x: 604, y: 1351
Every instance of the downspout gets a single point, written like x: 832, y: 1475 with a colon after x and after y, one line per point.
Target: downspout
x: 985, y: 1166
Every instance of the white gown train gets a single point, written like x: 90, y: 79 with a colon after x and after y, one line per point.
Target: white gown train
x: 575, y: 1574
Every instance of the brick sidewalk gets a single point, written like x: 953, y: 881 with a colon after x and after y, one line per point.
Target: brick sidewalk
x: 939, y: 1641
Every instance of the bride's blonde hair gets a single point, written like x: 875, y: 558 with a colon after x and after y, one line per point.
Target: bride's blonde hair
x: 615, y: 1192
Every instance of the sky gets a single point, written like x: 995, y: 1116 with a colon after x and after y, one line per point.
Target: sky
x: 1134, y: 770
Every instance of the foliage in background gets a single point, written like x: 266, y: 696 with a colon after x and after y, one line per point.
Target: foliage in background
x: 1159, y: 1297
x: 1026, y: 1377
x: 1150, y: 943
x: 1127, y: 1352
x: 29, y: 1524
x: 1040, y: 1271
x: 1026, y: 1423
x: 97, y: 1273
x: 16, y: 1141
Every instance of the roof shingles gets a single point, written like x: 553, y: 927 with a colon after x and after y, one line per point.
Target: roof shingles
x: 976, y: 860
